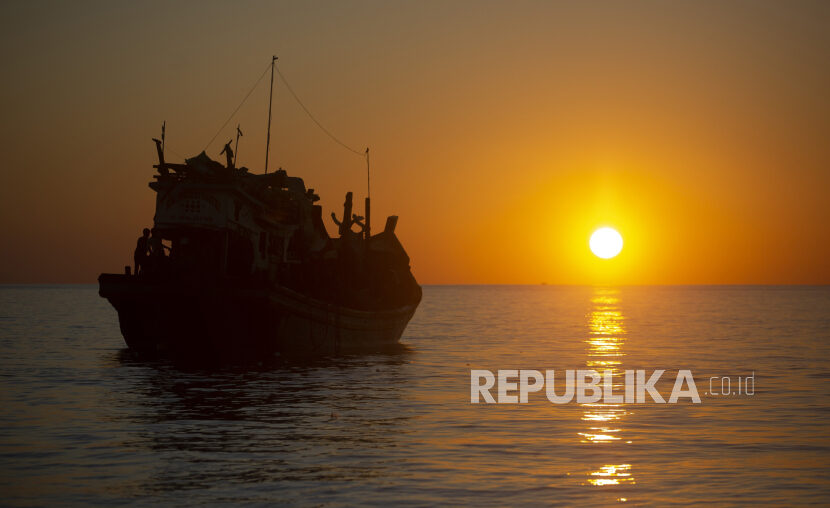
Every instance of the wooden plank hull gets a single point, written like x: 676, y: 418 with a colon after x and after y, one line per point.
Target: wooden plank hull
x: 185, y: 322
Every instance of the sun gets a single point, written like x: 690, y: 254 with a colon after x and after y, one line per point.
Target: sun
x: 606, y: 243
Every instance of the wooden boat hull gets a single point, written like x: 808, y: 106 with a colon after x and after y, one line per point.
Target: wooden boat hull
x: 169, y: 319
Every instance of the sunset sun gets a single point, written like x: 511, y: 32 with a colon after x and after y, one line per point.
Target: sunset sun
x: 606, y: 243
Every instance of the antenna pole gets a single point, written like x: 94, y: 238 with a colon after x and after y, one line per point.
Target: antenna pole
x: 163, y: 128
x: 270, y: 100
x: 368, y: 229
x: 236, y: 148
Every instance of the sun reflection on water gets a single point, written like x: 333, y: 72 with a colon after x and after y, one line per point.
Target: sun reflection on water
x: 612, y: 474
x: 605, y: 342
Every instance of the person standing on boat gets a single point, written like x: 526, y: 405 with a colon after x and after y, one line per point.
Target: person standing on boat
x: 142, y: 247
x: 228, y: 151
x: 156, y: 250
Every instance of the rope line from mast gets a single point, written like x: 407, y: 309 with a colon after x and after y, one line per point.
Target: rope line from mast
x: 237, y: 108
x: 307, y: 112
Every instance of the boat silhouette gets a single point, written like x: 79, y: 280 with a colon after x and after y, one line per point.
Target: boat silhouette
x: 241, y: 264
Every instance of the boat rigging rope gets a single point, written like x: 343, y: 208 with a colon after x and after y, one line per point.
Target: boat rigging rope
x: 240, y: 105
x: 364, y: 154
x: 328, y: 133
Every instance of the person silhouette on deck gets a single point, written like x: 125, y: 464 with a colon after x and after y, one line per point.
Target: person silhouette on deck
x: 142, y: 248
x: 228, y: 151
x: 156, y: 249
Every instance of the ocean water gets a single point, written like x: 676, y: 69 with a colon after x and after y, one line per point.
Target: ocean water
x: 84, y: 422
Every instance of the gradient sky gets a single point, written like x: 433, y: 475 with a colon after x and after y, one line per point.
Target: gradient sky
x: 502, y: 133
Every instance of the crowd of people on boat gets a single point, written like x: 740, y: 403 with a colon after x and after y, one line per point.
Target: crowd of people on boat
x: 149, y: 252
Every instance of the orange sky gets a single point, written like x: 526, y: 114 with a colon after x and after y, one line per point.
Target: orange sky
x: 502, y: 133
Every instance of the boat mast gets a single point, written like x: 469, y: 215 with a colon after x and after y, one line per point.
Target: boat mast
x: 236, y: 148
x: 270, y: 100
x: 368, y: 229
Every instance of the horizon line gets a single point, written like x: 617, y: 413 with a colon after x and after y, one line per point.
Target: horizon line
x: 540, y: 284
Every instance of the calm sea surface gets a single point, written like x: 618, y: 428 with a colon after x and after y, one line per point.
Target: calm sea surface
x: 82, y: 421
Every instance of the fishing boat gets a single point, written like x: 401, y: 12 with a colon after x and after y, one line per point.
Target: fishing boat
x: 241, y: 264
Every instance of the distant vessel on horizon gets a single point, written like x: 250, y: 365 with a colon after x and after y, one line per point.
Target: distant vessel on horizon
x: 252, y: 271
